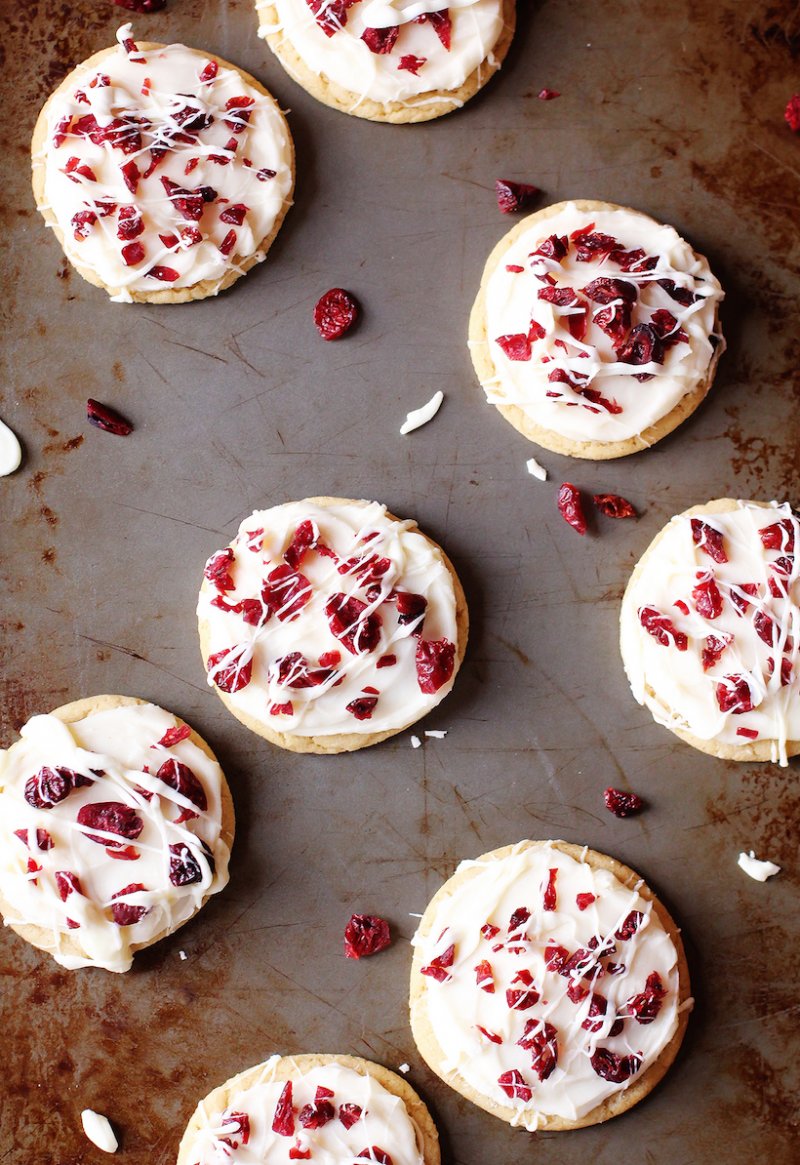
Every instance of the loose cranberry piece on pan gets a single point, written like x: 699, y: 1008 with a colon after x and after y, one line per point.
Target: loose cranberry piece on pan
x: 335, y: 313
x: 792, y: 113
x: 570, y: 507
x: 107, y: 419
x: 512, y: 196
x: 366, y: 934
x: 143, y: 6
x: 548, y: 94
x: 614, y: 506
x: 622, y: 804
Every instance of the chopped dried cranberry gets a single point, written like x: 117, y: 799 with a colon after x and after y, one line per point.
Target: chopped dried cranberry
x: 737, y: 595
x: 441, y: 23
x: 550, y: 897
x: 233, y: 675
x: 708, y: 539
x: 622, y: 804
x: 438, y: 967
x: 323, y: 1093
x: 293, y: 671
x: 792, y: 112
x: 541, y: 1038
x: 484, y: 977
x: 235, y: 1124
x: 366, y: 934
x: 584, y: 901
x: 48, y: 787
x: 388, y: 660
x: 616, y: 1069
x: 286, y: 592
x: 435, y: 661
x: 127, y: 853
x: 615, y: 321
x: 107, y: 419
x: 217, y: 569
x: 112, y: 817
x: 82, y: 223
x: 570, y: 507
x: 614, y: 506
x: 548, y: 94
x: 349, y: 1114
x: 209, y: 71
x: 362, y: 707
x: 296, y: 1153
x: 283, y: 1120
x: 131, y: 175
x: 555, y: 957
x: 163, y: 274
x: 597, y: 1010
x: 662, y: 628
x: 380, y: 40
x: 514, y: 1086
x: 555, y: 247
x: 489, y: 932
x: 589, y: 243
x: 643, y: 346
x: 666, y: 325
x: 748, y: 733
x: 522, y: 998
x: 646, y: 1006
x: 228, y: 243
x: 60, y: 132
x: 604, y: 290
x: 714, y: 647
x: 264, y: 174
x: 130, y: 224
x: 133, y: 253
x: 181, y: 778
x: 518, y: 919
x: 335, y: 312
x: 560, y: 296
x: 629, y: 926
x: 125, y: 913
x: 513, y: 196
x: 358, y: 632
x: 285, y: 709
x: 316, y: 1115
x: 411, y: 64
x: 67, y: 883
x: 707, y: 597
x: 778, y: 536
x: 184, y: 868
x: 764, y: 628
x: 681, y: 295
x: 516, y: 346
x: 169, y: 241
x: 492, y: 1037
x: 734, y: 695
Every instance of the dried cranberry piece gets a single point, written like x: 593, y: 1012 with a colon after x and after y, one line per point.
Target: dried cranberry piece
x: 125, y: 913
x: 316, y: 1115
x: 791, y: 114
x: 48, y: 787
x: 283, y: 1120
x: 410, y: 607
x: 411, y: 64
x: 233, y: 675
x: 622, y: 804
x: 82, y: 223
x: 113, y: 817
x: 555, y: 247
x: 296, y: 1153
x: 643, y: 346
x: 560, y: 296
x: 614, y: 506
x: 734, y: 695
x: 293, y: 671
x: 584, y: 901
x: 484, y: 977
x: 107, y: 419
x: 130, y: 223
x: 209, y: 71
x: 662, y: 628
x: 358, y: 632
x: 335, y: 312
x: 131, y: 175
x: 181, y: 778
x: 604, y: 290
x: 555, y: 957
x: 228, y: 243
x: 597, y: 1010
x: 362, y: 707
x: 380, y: 40
x: 549, y: 897
x: 714, y: 647
x: 709, y: 540
x: 707, y: 597
x: 666, y: 325
x: 522, y: 999
x: 133, y: 253
x: 778, y: 536
x: 517, y: 346
x: 435, y: 661
x: 518, y: 919
x: 681, y: 295
x: 127, y: 853
x: 616, y: 1069
x: 366, y: 934
x: 441, y: 23
x: 764, y: 628
x: 184, y: 868
x: 43, y: 839
x: 235, y: 1124
x: 286, y: 592
x: 67, y: 883
x: 163, y: 274
x: 492, y: 1037
x: 143, y: 6
x: 349, y: 1114
x: 217, y: 569
x: 438, y: 967
x: 589, y: 243
x: 570, y: 506
x: 629, y: 926
x: 615, y: 322
x: 513, y: 196
x: 548, y: 94
x: 514, y: 1086
x: 737, y: 595
x: 264, y: 174
x: 646, y: 1006
x: 577, y: 992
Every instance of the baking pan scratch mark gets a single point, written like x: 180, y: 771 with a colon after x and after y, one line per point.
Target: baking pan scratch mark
x: 782, y: 165
x: 233, y: 346
x: 135, y: 655
x: 751, y: 1019
x: 199, y: 351
x: 464, y: 806
x: 170, y: 518
x: 153, y: 368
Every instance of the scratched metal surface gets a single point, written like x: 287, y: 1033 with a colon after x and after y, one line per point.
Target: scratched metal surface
x: 676, y: 109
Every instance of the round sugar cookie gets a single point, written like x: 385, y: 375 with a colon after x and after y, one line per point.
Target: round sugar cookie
x: 595, y: 331
x: 549, y: 985
x: 328, y: 624
x: 165, y: 172
x: 399, y: 61
x: 116, y: 824
x: 317, y: 1107
x: 710, y: 629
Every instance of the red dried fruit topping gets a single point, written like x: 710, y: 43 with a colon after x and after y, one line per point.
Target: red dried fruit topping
x: 112, y: 817
x: 541, y: 1038
x: 304, y: 539
x: 714, y: 647
x: 163, y: 274
x: 228, y: 243
x: 555, y: 957
x: 380, y: 40
x: 707, y: 597
x: 484, y: 977
x: 791, y: 114
x: 286, y: 592
x: 181, y: 778
x: 362, y: 707
x: 548, y: 94
x: 590, y: 244
x: 662, y: 628
x: 734, y: 695
x: 550, y: 898
x: 682, y: 607
x: 435, y: 660
x: 622, y: 804
x: 441, y: 23
x: 293, y: 671
x: 643, y: 346
x: 605, y: 291
x: 560, y: 296
x: 323, y: 1093
x: 143, y: 6
x: 358, y: 632
x: 349, y: 1114
x: 778, y: 536
x: 411, y: 64
x: 709, y: 540
x: 438, y: 968
x: 175, y: 735
x: 82, y: 223
x: 554, y: 247
x: 125, y: 913
x: 492, y: 1037
x: 666, y: 325
x: 576, y: 992
x: 597, y: 1010
x: 747, y: 733
x: 133, y: 253
x: 681, y: 295
x: 366, y: 934
x: 67, y: 883
x: 765, y: 628
x: 570, y: 506
x: 387, y: 660
x: 614, y: 506
x: 522, y: 999
x: 629, y: 926
x: 513, y: 196
x: 209, y: 72
x: 184, y: 868
x: 316, y: 1115
x: 283, y: 1120
x: 584, y: 901
x: 616, y: 1069
x: 233, y: 675
x: 646, y: 1006
x: 217, y: 569
x: 516, y: 346
x: 296, y: 1153
x: 48, y: 787
x: 335, y: 313
x: 235, y: 1124
x: 127, y: 853
x: 518, y: 919
x: 489, y: 932
x: 107, y: 419
x: 514, y: 1086
x: 737, y: 595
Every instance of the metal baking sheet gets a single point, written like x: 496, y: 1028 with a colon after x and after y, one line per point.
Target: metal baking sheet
x: 673, y: 108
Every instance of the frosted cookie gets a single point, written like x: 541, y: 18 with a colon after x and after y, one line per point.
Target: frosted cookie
x: 115, y: 828
x: 710, y: 628
x: 595, y: 331
x: 389, y: 60
x: 549, y: 986
x: 165, y: 172
x: 328, y: 624
x: 331, y: 1109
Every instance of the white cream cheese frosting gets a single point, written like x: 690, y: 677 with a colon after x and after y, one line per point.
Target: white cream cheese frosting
x: 330, y: 619
x: 95, y: 845
x: 528, y: 972
x: 557, y: 363
x: 356, y: 1117
x: 723, y: 667
x: 424, y: 55
x: 163, y: 168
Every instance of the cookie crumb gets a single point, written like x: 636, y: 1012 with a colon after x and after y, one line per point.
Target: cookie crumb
x: 755, y: 868
x: 99, y: 1131
x: 436, y: 734
x: 416, y: 742
x: 421, y: 416
x: 535, y: 469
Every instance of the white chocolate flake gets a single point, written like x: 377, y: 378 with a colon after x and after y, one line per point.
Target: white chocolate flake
x: 10, y: 450
x: 418, y: 417
x: 99, y: 1131
x: 535, y: 469
x: 416, y: 742
x: 757, y: 868
x: 435, y: 733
